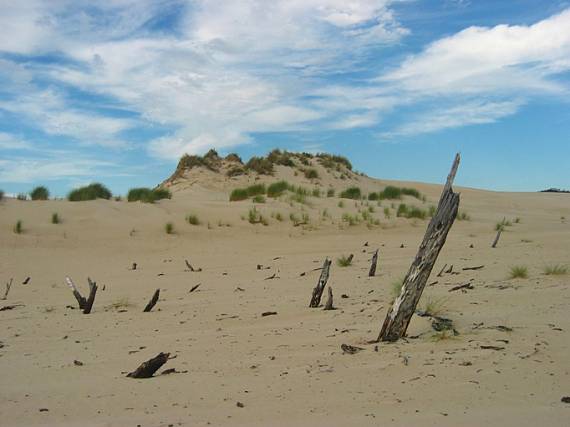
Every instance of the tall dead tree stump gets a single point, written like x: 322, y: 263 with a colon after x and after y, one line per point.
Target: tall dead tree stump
x: 320, y: 288
x: 403, y: 308
x: 372, y: 271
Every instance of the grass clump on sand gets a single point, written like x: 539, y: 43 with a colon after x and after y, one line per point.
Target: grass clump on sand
x: 147, y: 195
x: 518, y: 272
x: 277, y: 189
x: 351, y: 220
x: 258, y: 199
x: 351, y: 193
x: 22, y: 196
x: 435, y: 307
x: 238, y: 194
x: 463, y: 216
x: 255, y: 217
x: 344, y: 261
x: 311, y: 173
x: 555, y: 270
x: 169, y: 228
x: 89, y: 192
x: 501, y: 225
x: 411, y: 212
x: 18, y: 228
x: 193, y: 219
x: 39, y: 193
x: 396, y: 288
x: 245, y: 193
x: 393, y: 193
x: 55, y: 219
x: 261, y: 165
x: 330, y: 192
x: 120, y: 304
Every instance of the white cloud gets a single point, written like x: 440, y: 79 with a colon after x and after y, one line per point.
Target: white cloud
x: 471, y: 113
x: 12, y: 142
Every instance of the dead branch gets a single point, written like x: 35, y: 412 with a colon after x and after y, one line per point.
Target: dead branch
x: 148, y: 368
x: 319, y: 289
x: 80, y: 299
x: 372, y: 271
x: 194, y: 288
x: 152, y: 301
x: 499, y: 231
x: 329, y: 304
x: 479, y: 267
x: 8, y: 286
x: 91, y: 298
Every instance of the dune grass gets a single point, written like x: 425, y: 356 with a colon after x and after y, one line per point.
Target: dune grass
x: 120, y: 304
x: 39, y: 193
x: 89, y: 192
x: 255, y: 217
x: 55, y: 219
x: 18, y: 227
x: 311, y: 173
x: 555, y: 270
x: 435, y: 307
x: 22, y: 197
x: 518, y: 272
x: 351, y: 193
x: 395, y: 288
x: 411, y: 212
x: 193, y: 219
x: 244, y: 193
x: 344, y: 261
x: 463, y: 216
x: 147, y: 195
x: 258, y: 199
x: 277, y: 189
x: 169, y: 228
x: 330, y: 192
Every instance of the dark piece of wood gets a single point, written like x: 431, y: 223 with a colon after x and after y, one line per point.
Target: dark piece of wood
x: 494, y: 245
x: 268, y: 313
x: 148, y: 368
x: 273, y: 276
x: 91, y: 298
x: 26, y: 280
x: 153, y: 301
x: 319, y: 289
x: 329, y: 304
x: 350, y: 258
x: 350, y: 349
x: 80, y: 299
x: 192, y: 269
x: 194, y: 288
x: 372, y: 271
x: 450, y: 269
x: 134, y: 266
x: 442, y: 270
x: 479, y: 267
x: 399, y: 315
x: 464, y: 286
x: 8, y: 286
x: 491, y: 347
x: 11, y: 307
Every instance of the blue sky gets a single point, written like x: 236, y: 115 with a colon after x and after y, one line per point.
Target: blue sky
x: 117, y: 91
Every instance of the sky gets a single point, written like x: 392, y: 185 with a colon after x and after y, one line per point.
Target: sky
x: 116, y: 91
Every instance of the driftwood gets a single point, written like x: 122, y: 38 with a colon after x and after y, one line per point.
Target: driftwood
x: 350, y: 349
x: 403, y: 308
x: 80, y: 299
x: 464, y: 286
x: 450, y: 269
x: 442, y: 270
x: 499, y: 231
x: 152, y: 301
x: 479, y: 267
x: 372, y: 271
x: 91, y: 298
x: 26, y: 280
x: 148, y: 368
x: 11, y: 307
x: 8, y: 286
x: 192, y: 269
x: 194, y: 288
x: 319, y: 289
x: 329, y: 304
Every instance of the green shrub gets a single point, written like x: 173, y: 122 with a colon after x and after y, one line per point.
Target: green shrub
x: 279, y: 217
x: 39, y: 193
x: 402, y: 210
x: 431, y: 211
x: 391, y: 193
x: 254, y: 217
x: 350, y: 219
x: 556, y: 269
x: 518, y: 272
x: 260, y: 165
x: 311, y: 173
x: 351, y: 193
x: 411, y: 192
x: 373, y: 196
x: 277, y: 189
x: 416, y: 212
x: 316, y: 192
x: 340, y: 204
x: 235, y: 171
x: 18, y: 228
x: 255, y: 190
x: 147, y: 195
x: 55, y: 218
x: 193, y: 219
x: 387, y: 212
x: 344, y: 261
x: 330, y: 192
x: 279, y: 157
x: 89, y: 192
x: 238, y: 194
x: 22, y: 196
x: 169, y: 228
x: 258, y: 199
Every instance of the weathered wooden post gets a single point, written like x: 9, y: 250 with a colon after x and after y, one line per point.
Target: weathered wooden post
x: 329, y: 305
x: 372, y: 271
x: 80, y: 299
x: 401, y: 312
x: 499, y: 231
x: 91, y: 297
x: 319, y: 289
x: 153, y: 301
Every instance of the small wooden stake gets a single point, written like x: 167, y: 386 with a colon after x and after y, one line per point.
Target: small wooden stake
x: 372, y: 271
x: 148, y: 368
x: 401, y: 312
x: 8, y: 286
x: 153, y: 301
x: 80, y: 299
x: 494, y: 245
x: 319, y: 289
x: 91, y: 298
x: 329, y: 304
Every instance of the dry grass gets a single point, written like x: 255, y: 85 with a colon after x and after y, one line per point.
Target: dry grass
x: 518, y: 272
x: 555, y: 270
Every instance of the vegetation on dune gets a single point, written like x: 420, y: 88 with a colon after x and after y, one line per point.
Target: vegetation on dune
x: 344, y: 261
x: 169, y: 228
x: 406, y: 211
x: 22, y: 196
x: 147, y: 195
x: 245, y: 193
x: 18, y: 228
x: 330, y: 161
x: 261, y: 165
x: 255, y: 217
x: 276, y: 189
x: 39, y: 193
x: 279, y: 157
x: 258, y: 199
x: 89, y: 192
x: 395, y: 193
x: 233, y: 157
x: 518, y: 272
x: 435, y: 307
x: 238, y: 194
x: 555, y: 270
x: 55, y: 218
x: 1, y: 194
x: 311, y: 173
x: 463, y: 216
x: 351, y: 193
x: 330, y: 192
x: 193, y: 219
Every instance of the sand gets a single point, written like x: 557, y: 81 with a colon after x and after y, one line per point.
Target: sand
x: 285, y: 369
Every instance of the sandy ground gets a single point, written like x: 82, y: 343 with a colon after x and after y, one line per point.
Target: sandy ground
x: 286, y: 369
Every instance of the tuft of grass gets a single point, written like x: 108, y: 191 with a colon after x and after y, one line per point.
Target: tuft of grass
x: 330, y: 192
x: 311, y: 173
x: 55, y: 218
x: 244, y: 193
x: 147, y: 195
x: 279, y: 217
x: 518, y: 272
x: 351, y: 193
x: 193, y: 219
x: 387, y: 212
x: 435, y: 307
x: 555, y: 270
x: 277, y: 189
x: 169, y: 228
x: 258, y: 199
x: 89, y: 192
x: 344, y: 261
x: 18, y: 228
x: 463, y: 216
x: 501, y: 225
x: 238, y: 194
x: 350, y: 219
x: 121, y: 303
x: 316, y: 192
x: 254, y: 217
x: 446, y: 334
x: 39, y: 193
x: 261, y: 165
x: 341, y: 204
x: 395, y: 288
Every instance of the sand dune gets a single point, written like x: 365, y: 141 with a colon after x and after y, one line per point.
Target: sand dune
x: 288, y: 368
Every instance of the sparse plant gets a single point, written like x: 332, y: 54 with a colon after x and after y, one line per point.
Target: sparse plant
x: 518, y: 272
x: 402, y: 210
x: 396, y: 288
x: 446, y: 334
x: 316, y: 192
x: 311, y: 173
x: 351, y: 220
x: 39, y: 193
x: 18, y: 228
x: 120, y: 304
x: 431, y: 211
x: 22, y: 197
x: 147, y: 195
x: 341, y: 204
x: 463, y: 216
x: 351, y: 193
x: 517, y: 220
x: 55, y: 218
x: 277, y: 189
x: 279, y: 217
x: 435, y: 307
x: 89, y: 192
x: 258, y: 199
x: 169, y: 228
x: 387, y: 212
x: 193, y: 219
x: 344, y: 261
x: 330, y: 192
x: 238, y: 194
x: 555, y: 270
x: 254, y: 217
